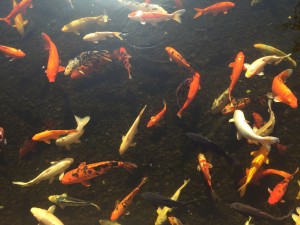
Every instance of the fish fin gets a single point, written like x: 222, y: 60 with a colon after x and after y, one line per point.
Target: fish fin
x: 25, y: 22
x: 51, y: 180
x: 62, y: 206
x: 95, y: 205
x: 231, y: 64
x: 198, y: 168
x: 177, y: 15
x: 51, y: 209
x: 298, y: 210
x: 239, y: 136
x: 231, y: 120
x: 246, y: 65
x: 132, y: 144
x: 86, y: 183
x: 170, y: 59
x: 242, y: 189
x: 209, y: 165
x: 31, y: 6
x: 277, y: 99
x: 53, y: 162
x: 48, y: 142
x: 61, y: 175
x: 143, y: 22
x: 83, y: 164
x: 261, y: 73
x: 12, y: 59
x: 225, y: 12
x: 199, y: 12
x: 295, y: 217
x: 76, y: 32
x: 96, y: 42
x: 282, y: 201
x: 254, y: 128
x: 118, y: 35
x: 159, y: 210
x: 61, y: 68
x: 269, y: 190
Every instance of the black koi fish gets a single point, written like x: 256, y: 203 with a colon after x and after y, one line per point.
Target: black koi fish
x: 250, y: 211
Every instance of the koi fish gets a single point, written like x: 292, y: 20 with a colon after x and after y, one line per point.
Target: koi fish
x: 79, y: 24
x: 244, y: 130
x: 237, y: 68
x: 174, y: 221
x: 19, y: 8
x: 278, y: 192
x: 12, y: 52
x: 108, y: 222
x: 204, y: 166
x: 82, y: 71
x: 251, y: 211
x: 267, y: 49
x: 127, y: 140
x: 73, y: 138
x: 85, y: 172
x: 257, y: 67
x: 58, y: 167
x: 64, y: 200
x: 53, y: 66
x: 281, y: 92
x: 155, y: 17
x: 248, y: 221
x: 298, y: 196
x: 122, y: 55
x: 3, y: 140
x: 220, y: 102
x: 155, y: 119
x: 126, y: 202
x: 46, y: 217
x: 162, y: 212
x: 174, y: 55
x: 45, y: 136
x: 28, y: 146
x: 260, y: 157
x: 145, y: 7
x: 101, y: 36
x: 194, y: 86
x: 235, y: 104
x: 215, y: 9
x: 258, y: 120
x: 19, y: 21
x: 296, y: 217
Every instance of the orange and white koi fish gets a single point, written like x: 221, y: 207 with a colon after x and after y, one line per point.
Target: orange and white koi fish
x: 126, y: 202
x: 155, y: 17
x: 260, y: 157
x: 19, y: 21
x: 45, y: 136
x: 215, y: 9
x: 194, y: 87
x: 235, y: 104
x: 85, y: 172
x: 204, y: 166
x: 237, y: 68
x: 281, y: 92
x: 12, y: 52
x: 155, y: 119
x: 19, y: 8
x: 122, y: 55
x: 174, y: 55
x: 174, y: 221
x: 53, y: 66
x: 278, y: 192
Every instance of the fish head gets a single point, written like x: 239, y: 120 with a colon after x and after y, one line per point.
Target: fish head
x: 53, y: 198
x: 135, y: 15
x: 292, y: 100
x: 72, y: 64
x: 65, y: 28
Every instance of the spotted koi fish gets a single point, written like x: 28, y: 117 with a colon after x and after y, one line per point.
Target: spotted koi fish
x: 235, y: 104
x: 85, y: 172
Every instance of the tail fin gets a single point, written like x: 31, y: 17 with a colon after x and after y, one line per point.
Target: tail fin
x: 23, y: 184
x: 95, y: 205
x: 129, y: 166
x: 6, y: 20
x: 199, y: 12
x: 81, y: 122
x: 177, y: 15
x: 268, y: 141
x: 118, y: 35
x: 282, y: 58
x: 243, y: 189
x: 142, y: 111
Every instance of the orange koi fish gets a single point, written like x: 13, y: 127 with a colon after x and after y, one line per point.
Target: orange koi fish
x: 204, y: 166
x: 215, y: 9
x: 281, y: 92
x: 235, y: 104
x: 278, y: 192
x: 85, y: 172
x: 258, y: 120
x: 11, y: 52
x: 124, y: 57
x: 126, y: 202
x: 155, y: 119
x: 19, y: 21
x: 174, y: 55
x: 193, y: 89
x: 174, y: 221
x: 45, y: 136
x: 19, y: 8
x: 53, y: 61
x: 28, y: 146
x: 237, y: 68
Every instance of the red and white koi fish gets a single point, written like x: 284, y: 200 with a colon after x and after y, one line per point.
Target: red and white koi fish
x: 11, y: 52
x: 204, y: 166
x: 155, y: 119
x: 215, y: 9
x: 19, y: 8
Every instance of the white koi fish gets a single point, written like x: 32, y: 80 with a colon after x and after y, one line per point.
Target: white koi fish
x: 101, y: 36
x: 73, y: 138
x: 46, y: 217
x: 162, y: 212
x: 128, y: 138
x: 145, y: 7
x: 245, y: 131
x: 49, y: 174
x: 257, y: 67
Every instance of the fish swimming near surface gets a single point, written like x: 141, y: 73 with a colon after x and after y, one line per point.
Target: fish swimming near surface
x: 145, y: 7
x: 64, y: 200
x: 162, y: 212
x: 220, y: 102
x: 46, y: 217
x: 177, y: 57
x: 11, y: 52
x: 85, y: 172
x: 215, y: 9
x: 127, y: 140
x: 122, y: 206
x: 154, y: 120
x: 45, y: 136
x: 19, y: 8
x: 269, y: 50
x: 236, y: 104
x: 101, y: 36
x: 155, y: 17
x: 73, y: 138
x: 161, y: 200
x: 19, y: 21
x: 245, y: 131
x: 57, y: 167
x: 53, y: 66
x: 76, y: 25
x: 281, y: 92
x: 251, y: 211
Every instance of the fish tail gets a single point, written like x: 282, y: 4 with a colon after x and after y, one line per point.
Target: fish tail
x: 177, y: 15
x: 142, y: 111
x: 269, y: 140
x: 8, y: 21
x: 23, y: 184
x: 118, y: 35
x: 243, y: 189
x: 144, y: 180
x: 129, y: 166
x: 96, y: 206
x: 81, y: 122
x: 199, y: 12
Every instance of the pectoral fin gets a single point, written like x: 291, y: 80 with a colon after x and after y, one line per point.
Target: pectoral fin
x: 86, y: 183
x: 51, y: 209
x: 61, y: 175
x: 239, y: 136
x: 51, y: 180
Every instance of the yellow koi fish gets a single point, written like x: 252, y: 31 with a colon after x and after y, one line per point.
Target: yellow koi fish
x: 19, y: 22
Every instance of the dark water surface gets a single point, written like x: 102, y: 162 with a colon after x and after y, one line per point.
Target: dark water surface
x: 112, y: 101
